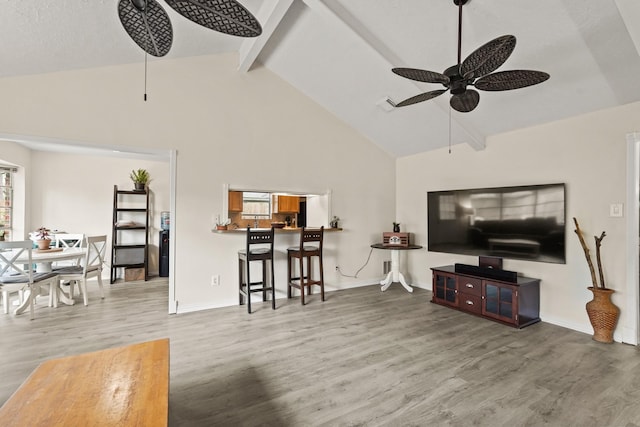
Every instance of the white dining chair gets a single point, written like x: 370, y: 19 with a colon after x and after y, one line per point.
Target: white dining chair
x: 6, y: 297
x: 91, y: 266
x: 17, y: 276
x: 68, y: 240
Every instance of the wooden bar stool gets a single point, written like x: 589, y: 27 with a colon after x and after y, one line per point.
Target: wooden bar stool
x: 259, y: 247
x: 305, y: 252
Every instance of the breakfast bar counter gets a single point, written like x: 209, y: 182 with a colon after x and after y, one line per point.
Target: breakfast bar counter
x: 277, y: 230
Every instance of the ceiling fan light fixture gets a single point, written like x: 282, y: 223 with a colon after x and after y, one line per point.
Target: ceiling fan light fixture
x: 466, y: 101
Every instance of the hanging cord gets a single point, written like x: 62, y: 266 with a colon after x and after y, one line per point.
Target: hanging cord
x: 145, y: 76
x: 355, y: 276
x: 148, y: 36
x: 449, y: 129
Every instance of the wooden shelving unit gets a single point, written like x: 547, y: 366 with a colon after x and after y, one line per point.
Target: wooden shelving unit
x: 130, y: 234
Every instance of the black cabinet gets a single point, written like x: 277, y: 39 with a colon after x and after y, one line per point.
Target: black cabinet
x: 512, y: 303
x: 130, y: 232
x: 163, y: 253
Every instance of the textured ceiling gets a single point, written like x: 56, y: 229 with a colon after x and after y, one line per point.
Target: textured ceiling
x: 340, y: 54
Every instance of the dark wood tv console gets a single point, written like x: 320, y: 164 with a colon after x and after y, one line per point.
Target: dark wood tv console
x: 514, y: 303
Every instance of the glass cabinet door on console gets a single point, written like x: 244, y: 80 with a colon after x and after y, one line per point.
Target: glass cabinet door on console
x: 500, y: 302
x: 445, y: 289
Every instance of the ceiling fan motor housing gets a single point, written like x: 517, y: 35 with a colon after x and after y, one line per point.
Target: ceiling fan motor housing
x: 457, y: 84
x: 141, y: 5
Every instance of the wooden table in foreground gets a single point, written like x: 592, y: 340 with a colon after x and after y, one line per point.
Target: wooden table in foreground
x: 124, y: 386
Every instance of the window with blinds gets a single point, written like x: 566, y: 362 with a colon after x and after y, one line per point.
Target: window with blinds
x: 6, y: 201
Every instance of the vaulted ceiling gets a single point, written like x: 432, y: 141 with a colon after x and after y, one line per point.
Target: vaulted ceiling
x: 340, y: 54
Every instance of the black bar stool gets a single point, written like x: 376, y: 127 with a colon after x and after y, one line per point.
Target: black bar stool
x: 305, y: 252
x: 259, y: 248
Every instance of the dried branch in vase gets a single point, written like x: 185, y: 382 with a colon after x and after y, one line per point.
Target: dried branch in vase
x: 587, y: 254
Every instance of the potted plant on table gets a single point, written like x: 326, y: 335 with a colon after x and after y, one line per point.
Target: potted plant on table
x: 43, y: 238
x: 603, y: 313
x: 140, y: 179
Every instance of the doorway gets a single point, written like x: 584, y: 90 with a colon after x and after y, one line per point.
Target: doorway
x: 631, y: 324
x: 167, y: 156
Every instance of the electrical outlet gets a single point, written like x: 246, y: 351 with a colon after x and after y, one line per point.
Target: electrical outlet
x: 215, y: 280
x: 337, y: 268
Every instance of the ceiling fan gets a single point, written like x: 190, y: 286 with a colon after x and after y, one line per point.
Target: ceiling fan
x: 149, y: 26
x: 476, y: 70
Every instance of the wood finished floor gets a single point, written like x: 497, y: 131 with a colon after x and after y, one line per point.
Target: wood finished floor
x: 362, y: 358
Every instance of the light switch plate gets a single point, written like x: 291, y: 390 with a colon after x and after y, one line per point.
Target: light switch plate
x: 615, y: 209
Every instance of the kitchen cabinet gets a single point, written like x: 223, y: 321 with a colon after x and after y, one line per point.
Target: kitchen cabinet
x: 286, y: 204
x: 235, y: 201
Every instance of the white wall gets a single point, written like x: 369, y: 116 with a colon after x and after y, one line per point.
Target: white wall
x: 588, y: 153
x: 249, y: 130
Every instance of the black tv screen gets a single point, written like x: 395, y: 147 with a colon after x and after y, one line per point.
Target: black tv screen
x: 523, y: 222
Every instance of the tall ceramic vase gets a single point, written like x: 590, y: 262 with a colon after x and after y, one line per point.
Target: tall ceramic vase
x: 603, y: 314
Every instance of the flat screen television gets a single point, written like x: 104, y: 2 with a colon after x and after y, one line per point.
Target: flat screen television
x: 522, y: 222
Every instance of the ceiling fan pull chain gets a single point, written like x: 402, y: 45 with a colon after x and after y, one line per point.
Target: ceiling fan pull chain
x: 449, y: 129
x: 145, y: 76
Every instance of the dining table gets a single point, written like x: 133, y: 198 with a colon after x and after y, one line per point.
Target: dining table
x: 43, y: 260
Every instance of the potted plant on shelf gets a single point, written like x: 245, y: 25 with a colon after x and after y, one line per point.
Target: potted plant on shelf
x: 140, y: 179
x: 43, y: 238
x: 603, y: 314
